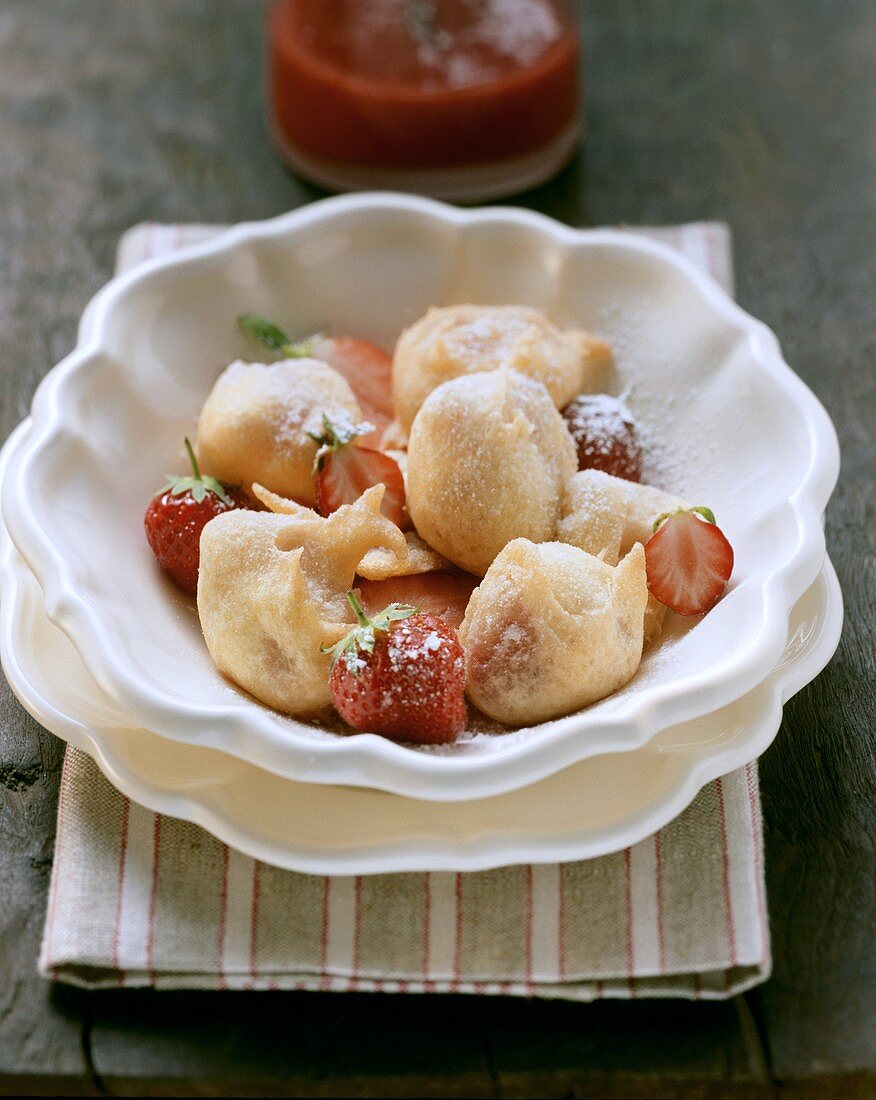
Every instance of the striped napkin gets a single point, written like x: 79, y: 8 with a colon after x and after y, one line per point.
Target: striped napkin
x: 140, y: 899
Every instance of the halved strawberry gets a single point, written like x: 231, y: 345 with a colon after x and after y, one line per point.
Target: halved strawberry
x: 368, y: 370
x: 366, y: 367
x: 344, y: 470
x: 442, y: 594
x: 688, y: 561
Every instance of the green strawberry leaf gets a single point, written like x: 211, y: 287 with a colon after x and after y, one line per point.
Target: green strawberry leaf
x: 271, y: 336
x: 195, y: 483
x: 335, y: 434
x: 363, y: 637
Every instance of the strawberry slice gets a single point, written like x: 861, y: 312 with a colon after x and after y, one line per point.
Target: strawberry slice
x: 688, y: 561
x: 442, y: 594
x: 366, y: 368
x: 344, y: 470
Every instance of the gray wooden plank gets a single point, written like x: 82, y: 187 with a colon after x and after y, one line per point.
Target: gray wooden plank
x: 763, y: 114
x: 40, y: 1032
x: 809, y: 192
x: 627, y: 1049
x: 362, y: 1045
x: 303, y: 1044
x: 758, y: 113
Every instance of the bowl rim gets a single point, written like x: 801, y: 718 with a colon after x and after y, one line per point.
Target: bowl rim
x: 257, y: 734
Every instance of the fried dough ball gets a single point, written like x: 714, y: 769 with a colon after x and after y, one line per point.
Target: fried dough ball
x: 271, y: 592
x: 551, y: 629
x: 487, y: 460
x: 456, y: 340
x: 606, y: 516
x: 253, y: 426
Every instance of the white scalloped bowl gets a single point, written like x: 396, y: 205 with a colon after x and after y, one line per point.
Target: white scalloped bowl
x: 725, y: 420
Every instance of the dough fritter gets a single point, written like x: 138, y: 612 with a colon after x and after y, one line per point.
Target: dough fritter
x: 606, y: 516
x: 253, y: 426
x: 456, y: 340
x: 271, y: 592
x: 487, y: 460
x: 551, y: 629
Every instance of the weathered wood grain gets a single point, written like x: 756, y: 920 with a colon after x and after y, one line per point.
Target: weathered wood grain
x: 39, y: 1035
x: 361, y: 1045
x: 116, y: 111
x: 291, y: 1044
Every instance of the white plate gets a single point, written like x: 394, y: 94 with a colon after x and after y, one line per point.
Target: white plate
x: 598, y: 806
x: 726, y: 421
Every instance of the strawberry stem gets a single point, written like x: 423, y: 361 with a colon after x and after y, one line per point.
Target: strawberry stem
x: 357, y: 609
x: 197, y: 484
x: 196, y: 470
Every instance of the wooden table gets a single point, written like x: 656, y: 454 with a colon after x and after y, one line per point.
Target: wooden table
x: 116, y: 111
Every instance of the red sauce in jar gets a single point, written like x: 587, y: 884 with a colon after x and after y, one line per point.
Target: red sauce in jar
x: 422, y: 84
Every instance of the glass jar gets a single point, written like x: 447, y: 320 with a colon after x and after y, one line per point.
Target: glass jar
x: 465, y: 100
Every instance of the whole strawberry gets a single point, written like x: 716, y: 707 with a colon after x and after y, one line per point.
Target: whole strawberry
x: 177, y: 515
x: 605, y: 435
x: 400, y: 674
